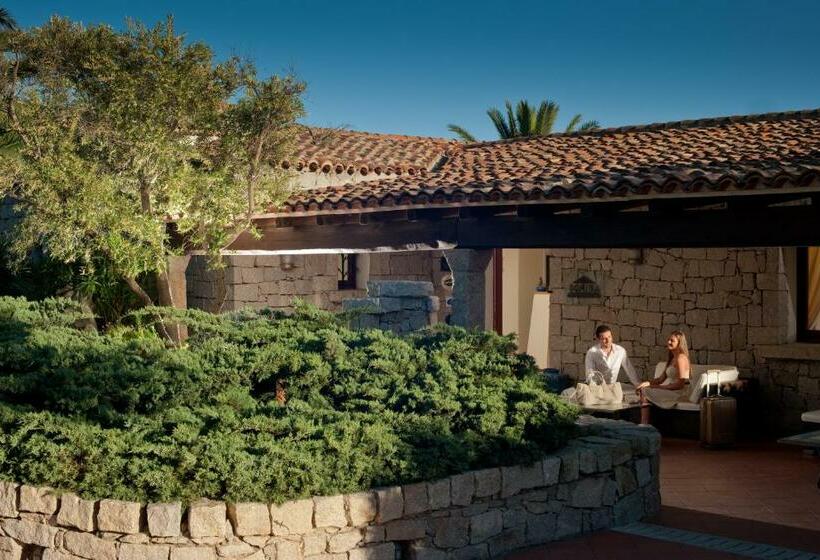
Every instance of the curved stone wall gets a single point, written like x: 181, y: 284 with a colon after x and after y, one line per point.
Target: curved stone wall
x: 606, y: 476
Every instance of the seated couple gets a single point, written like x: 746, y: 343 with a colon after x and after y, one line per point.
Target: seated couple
x: 607, y: 359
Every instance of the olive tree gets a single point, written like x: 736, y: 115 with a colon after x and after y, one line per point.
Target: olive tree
x: 137, y: 146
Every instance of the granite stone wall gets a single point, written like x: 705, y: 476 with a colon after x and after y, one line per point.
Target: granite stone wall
x: 261, y: 281
x: 607, y: 476
x: 400, y: 306
x: 727, y: 301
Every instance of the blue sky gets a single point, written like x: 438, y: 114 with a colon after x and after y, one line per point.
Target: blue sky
x: 412, y: 67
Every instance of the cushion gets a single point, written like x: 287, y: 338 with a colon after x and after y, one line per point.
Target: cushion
x: 812, y: 416
x: 694, y: 407
x: 697, y: 381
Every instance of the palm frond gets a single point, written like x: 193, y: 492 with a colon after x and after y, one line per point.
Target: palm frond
x: 573, y: 123
x: 525, y: 117
x: 545, y: 119
x: 461, y: 132
x: 6, y: 20
x: 589, y: 125
x: 500, y: 125
x: 511, y: 120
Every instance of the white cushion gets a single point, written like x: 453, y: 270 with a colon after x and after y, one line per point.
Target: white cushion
x: 812, y: 416
x: 697, y: 381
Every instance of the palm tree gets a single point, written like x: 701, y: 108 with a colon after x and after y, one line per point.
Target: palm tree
x: 6, y: 20
x: 525, y: 120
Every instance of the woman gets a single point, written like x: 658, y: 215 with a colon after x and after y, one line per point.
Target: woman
x: 673, y: 384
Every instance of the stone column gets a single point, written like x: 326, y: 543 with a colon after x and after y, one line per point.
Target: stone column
x: 469, y: 287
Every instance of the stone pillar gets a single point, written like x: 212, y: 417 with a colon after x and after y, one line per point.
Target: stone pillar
x: 469, y: 287
x: 172, y: 288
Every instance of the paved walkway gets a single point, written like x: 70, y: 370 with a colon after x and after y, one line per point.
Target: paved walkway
x: 750, y: 495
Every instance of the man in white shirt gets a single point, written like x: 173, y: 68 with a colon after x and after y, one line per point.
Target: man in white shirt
x: 607, y: 358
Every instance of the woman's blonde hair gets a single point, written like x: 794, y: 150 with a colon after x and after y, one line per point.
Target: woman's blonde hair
x: 682, y: 345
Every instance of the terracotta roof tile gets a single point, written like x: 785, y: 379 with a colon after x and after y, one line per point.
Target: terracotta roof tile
x: 730, y: 153
x: 323, y: 150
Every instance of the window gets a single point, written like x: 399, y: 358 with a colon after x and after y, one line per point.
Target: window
x: 347, y: 272
x: 808, y: 294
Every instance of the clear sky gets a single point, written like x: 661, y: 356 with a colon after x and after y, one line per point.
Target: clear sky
x: 412, y: 67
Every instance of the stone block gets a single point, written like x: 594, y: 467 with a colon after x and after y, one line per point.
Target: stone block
x: 386, y: 551
x: 507, y: 541
x: 10, y: 550
x: 193, y: 553
x: 286, y: 550
x: 472, y: 552
x: 462, y: 489
x: 206, y: 518
x: 314, y: 543
x: 144, y: 552
x: 568, y: 523
x: 374, y: 534
x: 249, y: 518
x: 510, y: 481
x: 362, y: 508
x: 344, y: 540
x: 541, y: 528
x: 164, y: 520
x: 415, y: 499
x: 423, y: 551
x: 8, y: 499
x: 626, y: 480
x: 391, y: 504
x: 329, y: 511
x: 89, y: 546
x: 628, y: 509
x: 116, y: 516
x: 485, y: 526
x: 399, y: 288
x: 569, y: 464
x: 587, y: 493
x: 551, y: 470
x: 37, y: 499
x: 487, y: 482
x: 643, y: 470
x: 292, y: 517
x: 76, y: 512
x: 450, y: 532
x: 439, y: 494
x: 235, y: 549
x: 29, y: 532
x: 405, y: 529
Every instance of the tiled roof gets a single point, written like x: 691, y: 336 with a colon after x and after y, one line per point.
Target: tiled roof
x: 324, y: 150
x: 731, y: 153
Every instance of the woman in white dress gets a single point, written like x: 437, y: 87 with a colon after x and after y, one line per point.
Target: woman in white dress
x: 673, y: 384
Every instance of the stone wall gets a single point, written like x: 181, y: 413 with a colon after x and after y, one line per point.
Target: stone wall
x: 607, y: 476
x: 400, y: 306
x: 727, y: 301
x: 261, y: 281
x: 792, y: 377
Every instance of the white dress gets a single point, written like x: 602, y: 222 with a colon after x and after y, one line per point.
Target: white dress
x: 665, y: 398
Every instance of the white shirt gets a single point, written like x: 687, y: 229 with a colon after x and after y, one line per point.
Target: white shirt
x: 609, y: 365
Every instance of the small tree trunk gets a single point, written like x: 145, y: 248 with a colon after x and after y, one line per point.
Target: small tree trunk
x: 172, y: 289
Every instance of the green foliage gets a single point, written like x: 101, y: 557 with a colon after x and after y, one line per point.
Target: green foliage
x: 115, y: 134
x: 525, y: 120
x: 121, y: 415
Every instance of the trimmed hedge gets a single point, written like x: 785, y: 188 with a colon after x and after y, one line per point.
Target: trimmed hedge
x: 121, y: 415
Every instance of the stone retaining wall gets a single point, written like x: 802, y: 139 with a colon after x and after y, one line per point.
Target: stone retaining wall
x: 606, y: 476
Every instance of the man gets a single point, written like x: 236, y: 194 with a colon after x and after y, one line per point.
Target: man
x: 607, y: 358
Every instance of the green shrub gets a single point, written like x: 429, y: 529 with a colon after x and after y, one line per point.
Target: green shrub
x: 121, y: 415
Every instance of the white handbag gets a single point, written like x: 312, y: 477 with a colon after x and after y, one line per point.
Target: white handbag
x: 603, y: 393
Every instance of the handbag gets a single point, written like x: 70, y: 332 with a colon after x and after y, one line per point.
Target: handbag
x: 589, y: 394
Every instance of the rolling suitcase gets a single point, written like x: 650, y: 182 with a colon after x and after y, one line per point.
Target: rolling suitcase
x: 718, y: 418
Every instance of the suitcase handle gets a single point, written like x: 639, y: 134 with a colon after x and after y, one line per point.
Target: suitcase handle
x: 708, y: 377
